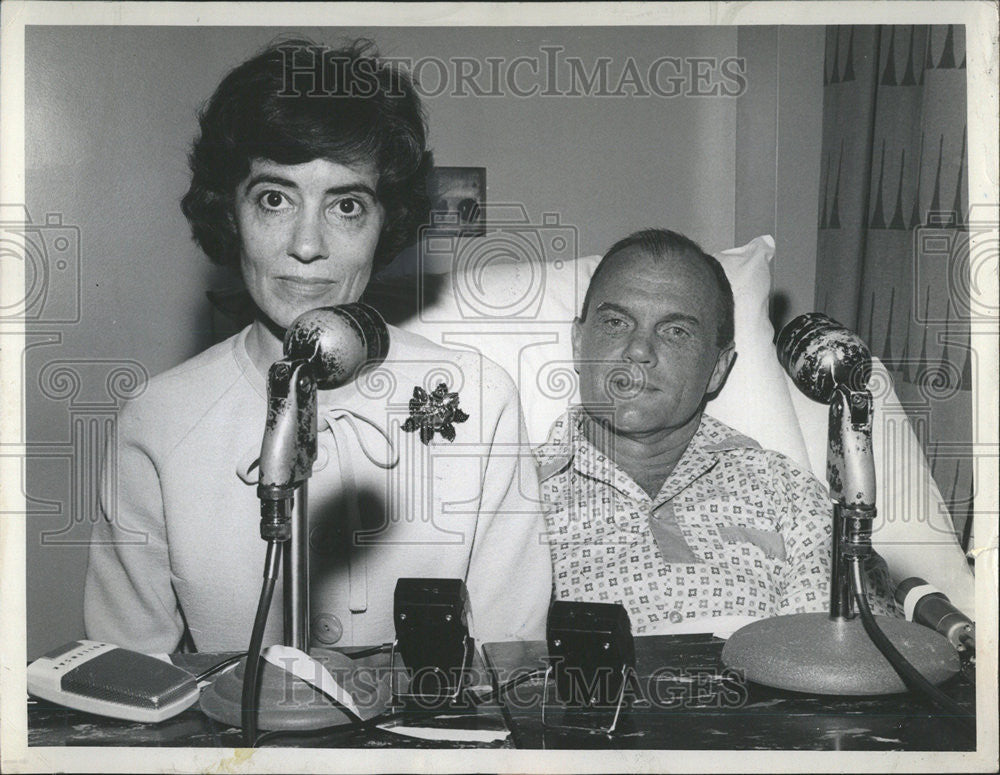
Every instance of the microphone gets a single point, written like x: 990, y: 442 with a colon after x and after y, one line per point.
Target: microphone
x: 324, y: 348
x: 337, y: 341
x: 929, y: 606
x: 820, y: 354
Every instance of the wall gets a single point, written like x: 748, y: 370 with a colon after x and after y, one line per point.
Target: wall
x: 109, y: 117
x: 778, y: 134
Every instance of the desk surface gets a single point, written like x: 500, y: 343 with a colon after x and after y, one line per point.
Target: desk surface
x: 681, y: 704
x: 685, y: 700
x: 53, y: 725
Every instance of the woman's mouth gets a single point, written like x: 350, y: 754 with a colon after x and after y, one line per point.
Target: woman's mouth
x: 306, y: 287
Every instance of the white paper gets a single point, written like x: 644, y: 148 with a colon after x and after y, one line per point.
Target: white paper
x: 301, y: 665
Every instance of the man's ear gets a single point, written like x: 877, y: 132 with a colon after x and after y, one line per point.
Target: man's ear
x: 722, y: 366
x: 577, y: 334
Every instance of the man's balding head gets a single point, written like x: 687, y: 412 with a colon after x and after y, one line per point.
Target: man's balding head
x: 660, y: 243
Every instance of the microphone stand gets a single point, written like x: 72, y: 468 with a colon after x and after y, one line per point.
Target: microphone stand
x: 288, y: 452
x: 851, y: 476
x: 323, y: 349
x: 295, y: 575
x: 832, y: 653
x: 257, y: 693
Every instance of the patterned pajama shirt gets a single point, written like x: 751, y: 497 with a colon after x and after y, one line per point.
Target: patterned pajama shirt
x: 735, y: 530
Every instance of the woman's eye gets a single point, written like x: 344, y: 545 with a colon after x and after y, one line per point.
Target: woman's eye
x: 349, y: 208
x: 273, y: 200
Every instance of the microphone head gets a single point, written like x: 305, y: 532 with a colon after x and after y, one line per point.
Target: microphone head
x: 337, y: 341
x: 820, y: 354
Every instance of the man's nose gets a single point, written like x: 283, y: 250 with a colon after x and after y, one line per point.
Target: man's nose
x: 308, y: 240
x: 640, y: 348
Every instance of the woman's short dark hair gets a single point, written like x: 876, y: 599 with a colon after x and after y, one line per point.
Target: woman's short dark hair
x: 298, y: 101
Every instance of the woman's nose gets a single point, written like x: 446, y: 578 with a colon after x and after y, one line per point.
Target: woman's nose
x: 308, y: 239
x: 640, y: 348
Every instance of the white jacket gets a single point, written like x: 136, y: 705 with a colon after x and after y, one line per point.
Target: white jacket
x: 178, y: 540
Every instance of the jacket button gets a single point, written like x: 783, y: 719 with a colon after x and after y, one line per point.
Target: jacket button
x: 326, y: 629
x: 676, y: 617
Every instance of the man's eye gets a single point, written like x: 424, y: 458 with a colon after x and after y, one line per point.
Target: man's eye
x: 615, y: 325
x: 675, y: 332
x: 273, y: 200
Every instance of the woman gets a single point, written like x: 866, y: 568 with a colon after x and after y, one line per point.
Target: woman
x: 306, y: 181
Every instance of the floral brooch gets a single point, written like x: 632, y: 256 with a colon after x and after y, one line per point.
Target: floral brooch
x: 434, y: 411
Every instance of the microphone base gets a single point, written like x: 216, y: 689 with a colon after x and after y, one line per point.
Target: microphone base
x: 815, y: 654
x: 289, y: 703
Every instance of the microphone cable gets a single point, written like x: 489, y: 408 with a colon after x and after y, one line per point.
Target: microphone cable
x: 390, y: 715
x: 204, y: 675
x: 910, y: 675
x: 358, y: 724
x: 251, y: 669
x: 368, y: 652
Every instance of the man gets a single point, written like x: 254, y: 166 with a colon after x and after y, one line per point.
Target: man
x: 650, y: 502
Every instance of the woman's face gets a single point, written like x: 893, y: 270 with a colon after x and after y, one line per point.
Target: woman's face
x: 307, y: 234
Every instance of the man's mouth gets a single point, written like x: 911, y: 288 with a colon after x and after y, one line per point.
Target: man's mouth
x: 628, y: 384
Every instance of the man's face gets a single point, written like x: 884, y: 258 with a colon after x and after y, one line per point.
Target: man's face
x: 307, y: 234
x: 647, y: 351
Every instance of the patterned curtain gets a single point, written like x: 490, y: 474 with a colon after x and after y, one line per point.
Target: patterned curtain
x: 893, y: 226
